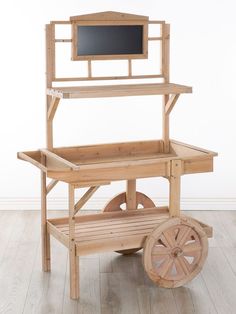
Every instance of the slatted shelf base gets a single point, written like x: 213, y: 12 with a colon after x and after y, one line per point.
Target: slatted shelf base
x: 111, y: 231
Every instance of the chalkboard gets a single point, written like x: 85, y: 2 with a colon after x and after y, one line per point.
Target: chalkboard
x: 109, y: 40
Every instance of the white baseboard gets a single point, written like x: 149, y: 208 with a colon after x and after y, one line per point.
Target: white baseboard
x: 97, y: 203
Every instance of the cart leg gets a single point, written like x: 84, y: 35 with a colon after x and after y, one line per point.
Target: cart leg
x: 46, y: 263
x: 74, y: 260
x: 175, y: 175
x: 131, y: 194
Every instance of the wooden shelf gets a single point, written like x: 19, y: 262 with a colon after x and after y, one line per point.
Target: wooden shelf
x: 112, y: 230
x: 118, y: 90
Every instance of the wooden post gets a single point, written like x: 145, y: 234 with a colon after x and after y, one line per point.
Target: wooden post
x: 175, y: 177
x: 74, y: 263
x: 131, y: 194
x: 165, y: 56
x: 45, y: 236
x: 50, y: 75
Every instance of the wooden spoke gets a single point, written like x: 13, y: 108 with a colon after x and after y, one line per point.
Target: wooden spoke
x: 175, y: 252
x: 183, y: 235
x: 160, y: 250
x: 192, y: 247
x: 166, y: 265
x: 119, y: 203
x: 184, y: 264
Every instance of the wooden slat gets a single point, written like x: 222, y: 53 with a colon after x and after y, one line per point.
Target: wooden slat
x: 114, y: 223
x: 93, y: 218
x: 85, y: 198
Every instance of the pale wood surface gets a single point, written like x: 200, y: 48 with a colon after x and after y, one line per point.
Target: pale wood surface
x: 110, y: 283
x: 118, y: 90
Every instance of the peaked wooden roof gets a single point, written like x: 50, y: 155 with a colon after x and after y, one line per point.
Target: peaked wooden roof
x: 108, y: 15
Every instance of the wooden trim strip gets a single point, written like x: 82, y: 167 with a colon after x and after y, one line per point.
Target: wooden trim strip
x: 25, y: 157
x: 60, y: 159
x: 60, y: 22
x: 156, y: 22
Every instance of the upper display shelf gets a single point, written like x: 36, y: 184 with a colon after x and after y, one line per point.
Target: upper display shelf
x: 118, y: 90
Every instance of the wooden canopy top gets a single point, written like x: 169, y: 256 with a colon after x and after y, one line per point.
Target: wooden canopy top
x: 118, y: 90
x: 108, y: 15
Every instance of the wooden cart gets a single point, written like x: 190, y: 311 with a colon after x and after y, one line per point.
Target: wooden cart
x: 174, y: 246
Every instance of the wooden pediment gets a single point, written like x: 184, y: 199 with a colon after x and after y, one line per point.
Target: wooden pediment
x: 108, y: 16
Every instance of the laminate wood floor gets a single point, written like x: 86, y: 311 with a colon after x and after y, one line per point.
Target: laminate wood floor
x: 110, y: 283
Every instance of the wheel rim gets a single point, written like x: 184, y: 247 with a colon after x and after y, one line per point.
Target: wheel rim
x: 175, y: 252
x: 116, y: 203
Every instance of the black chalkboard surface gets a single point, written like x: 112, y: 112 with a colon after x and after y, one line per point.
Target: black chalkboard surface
x: 109, y: 40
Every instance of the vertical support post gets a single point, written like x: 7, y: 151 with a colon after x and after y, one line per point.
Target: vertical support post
x: 175, y: 178
x: 131, y: 194
x: 74, y: 263
x: 50, y: 75
x: 165, y: 61
x: 45, y: 236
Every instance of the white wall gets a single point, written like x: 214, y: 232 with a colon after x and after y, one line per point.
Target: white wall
x: 203, y: 50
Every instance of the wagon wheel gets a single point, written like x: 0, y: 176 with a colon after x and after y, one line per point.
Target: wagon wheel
x: 115, y: 204
x: 175, y: 252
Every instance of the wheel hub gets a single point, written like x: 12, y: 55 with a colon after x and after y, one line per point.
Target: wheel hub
x: 176, y: 252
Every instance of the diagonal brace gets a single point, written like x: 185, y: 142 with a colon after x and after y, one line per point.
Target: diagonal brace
x: 170, y: 103
x: 85, y: 198
x: 51, y: 185
x: 53, y: 108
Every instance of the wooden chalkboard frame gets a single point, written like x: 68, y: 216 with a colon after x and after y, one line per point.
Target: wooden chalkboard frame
x: 109, y: 19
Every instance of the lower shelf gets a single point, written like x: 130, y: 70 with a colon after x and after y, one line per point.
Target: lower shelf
x: 111, y: 231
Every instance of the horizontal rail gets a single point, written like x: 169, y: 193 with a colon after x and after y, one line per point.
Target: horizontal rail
x: 155, y: 38
x: 70, y: 40
x: 60, y: 22
x: 94, y: 78
x: 63, y: 40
